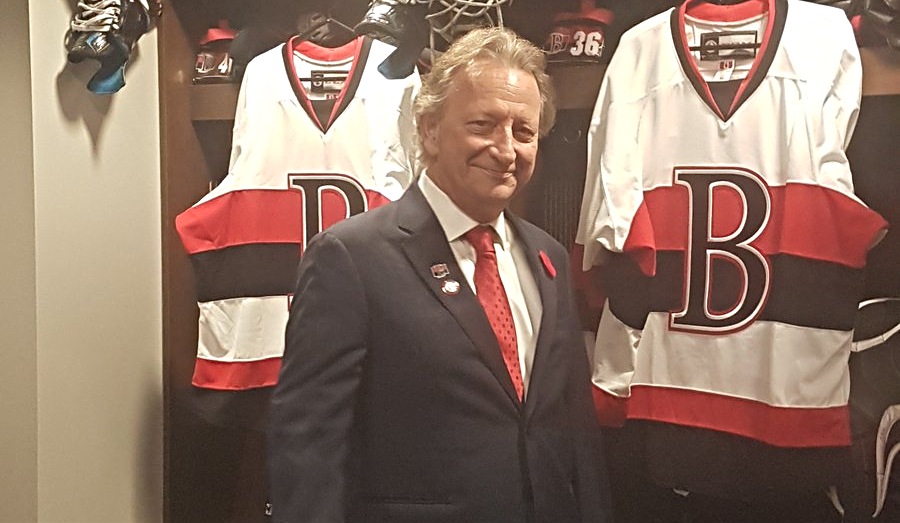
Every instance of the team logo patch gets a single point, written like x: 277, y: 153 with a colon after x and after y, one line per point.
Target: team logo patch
x: 440, y: 270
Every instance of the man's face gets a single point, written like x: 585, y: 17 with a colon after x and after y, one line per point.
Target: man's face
x: 481, y: 149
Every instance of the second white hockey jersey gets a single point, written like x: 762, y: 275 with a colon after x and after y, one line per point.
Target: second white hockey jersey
x: 319, y: 135
x: 719, y: 203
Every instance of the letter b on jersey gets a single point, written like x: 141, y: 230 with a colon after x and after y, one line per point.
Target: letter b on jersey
x: 726, y: 278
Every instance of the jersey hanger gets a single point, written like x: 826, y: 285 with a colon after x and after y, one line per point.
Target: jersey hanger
x: 325, y: 30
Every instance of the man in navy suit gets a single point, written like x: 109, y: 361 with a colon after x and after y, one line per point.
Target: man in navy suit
x: 404, y: 398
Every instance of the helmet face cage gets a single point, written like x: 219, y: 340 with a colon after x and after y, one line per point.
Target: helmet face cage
x: 451, y: 18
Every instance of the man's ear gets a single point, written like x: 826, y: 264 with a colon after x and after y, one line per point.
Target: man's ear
x: 428, y: 126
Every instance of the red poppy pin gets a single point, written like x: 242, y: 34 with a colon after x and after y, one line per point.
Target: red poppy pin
x: 548, y: 265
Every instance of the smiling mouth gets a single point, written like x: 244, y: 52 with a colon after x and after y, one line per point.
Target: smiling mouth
x: 498, y: 173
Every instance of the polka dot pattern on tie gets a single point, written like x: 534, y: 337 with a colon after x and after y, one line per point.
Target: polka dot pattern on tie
x: 493, y: 299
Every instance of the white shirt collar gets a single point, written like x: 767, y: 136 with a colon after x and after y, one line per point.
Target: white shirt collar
x: 453, y: 220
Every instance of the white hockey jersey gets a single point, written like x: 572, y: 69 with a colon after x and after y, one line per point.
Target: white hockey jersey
x: 319, y: 135
x: 719, y: 205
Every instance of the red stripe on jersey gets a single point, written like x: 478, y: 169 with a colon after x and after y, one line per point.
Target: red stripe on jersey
x: 805, y: 220
x: 326, y: 54
x: 257, y: 216
x: 234, y: 375
x: 641, y: 243
x: 779, y: 426
x: 587, y: 283
x: 610, y: 410
x: 727, y: 13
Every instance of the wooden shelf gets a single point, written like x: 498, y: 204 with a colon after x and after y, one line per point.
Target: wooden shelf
x: 214, y: 101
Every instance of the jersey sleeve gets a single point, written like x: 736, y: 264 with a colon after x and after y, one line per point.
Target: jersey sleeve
x: 594, y: 216
x: 613, y: 193
x: 841, y: 106
x: 612, y: 197
x: 394, y: 160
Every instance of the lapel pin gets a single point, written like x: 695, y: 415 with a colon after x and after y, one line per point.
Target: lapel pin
x: 450, y: 287
x: 548, y: 265
x: 440, y: 270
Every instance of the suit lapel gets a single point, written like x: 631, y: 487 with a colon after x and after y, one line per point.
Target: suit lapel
x: 426, y: 246
x: 547, y: 287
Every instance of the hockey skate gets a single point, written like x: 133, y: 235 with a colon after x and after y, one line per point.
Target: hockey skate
x: 106, y: 31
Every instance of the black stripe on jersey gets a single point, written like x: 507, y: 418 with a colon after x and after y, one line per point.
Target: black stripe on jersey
x: 254, y: 270
x: 745, y: 468
x: 724, y: 92
x: 813, y: 293
x: 803, y: 292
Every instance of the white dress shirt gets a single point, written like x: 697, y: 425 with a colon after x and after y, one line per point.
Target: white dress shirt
x: 518, y: 281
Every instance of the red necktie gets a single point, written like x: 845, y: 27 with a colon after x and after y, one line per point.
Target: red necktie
x: 496, y: 305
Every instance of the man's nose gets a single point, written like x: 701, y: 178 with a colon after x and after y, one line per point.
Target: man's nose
x: 504, y: 148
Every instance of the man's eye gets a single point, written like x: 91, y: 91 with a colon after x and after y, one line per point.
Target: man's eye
x: 525, y: 135
x: 480, y: 125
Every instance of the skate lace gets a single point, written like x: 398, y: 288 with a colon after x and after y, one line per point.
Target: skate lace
x: 97, y: 15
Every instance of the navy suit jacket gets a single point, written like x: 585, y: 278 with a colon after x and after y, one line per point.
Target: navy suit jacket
x: 394, y: 404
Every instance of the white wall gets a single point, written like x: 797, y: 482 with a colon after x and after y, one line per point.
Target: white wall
x: 18, y: 389
x: 87, y: 334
